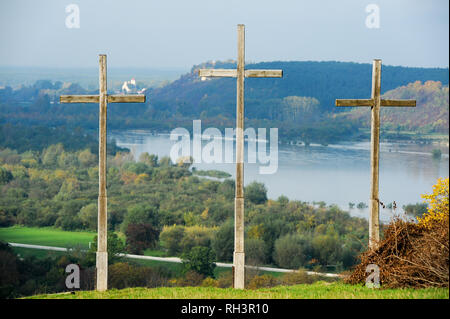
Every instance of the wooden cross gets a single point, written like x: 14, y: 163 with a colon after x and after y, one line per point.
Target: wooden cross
x: 240, y: 73
x: 375, y: 103
x: 103, y: 99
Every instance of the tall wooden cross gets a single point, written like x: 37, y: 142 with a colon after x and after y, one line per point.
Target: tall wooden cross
x: 375, y: 103
x: 103, y: 99
x: 240, y: 73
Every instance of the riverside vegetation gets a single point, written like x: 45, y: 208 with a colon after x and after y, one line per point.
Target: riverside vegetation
x: 163, y: 207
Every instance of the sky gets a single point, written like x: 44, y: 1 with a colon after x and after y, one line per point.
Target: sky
x: 181, y: 33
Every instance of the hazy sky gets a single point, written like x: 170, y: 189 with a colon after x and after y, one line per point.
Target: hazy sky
x: 180, y: 33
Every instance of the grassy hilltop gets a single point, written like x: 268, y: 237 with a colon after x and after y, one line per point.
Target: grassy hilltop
x: 318, y: 290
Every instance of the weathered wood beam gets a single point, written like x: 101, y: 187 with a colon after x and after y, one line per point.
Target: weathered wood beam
x: 95, y: 99
x: 374, y: 206
x: 102, y: 221
x: 357, y: 102
x: 398, y: 103
x: 369, y: 102
x: 79, y: 99
x: 239, y: 252
x: 263, y: 73
x: 126, y: 98
x: 230, y: 73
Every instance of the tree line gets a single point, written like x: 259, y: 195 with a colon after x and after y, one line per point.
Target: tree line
x: 301, y: 104
x: 168, y: 208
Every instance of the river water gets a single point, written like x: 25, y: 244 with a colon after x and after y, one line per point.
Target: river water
x: 335, y: 174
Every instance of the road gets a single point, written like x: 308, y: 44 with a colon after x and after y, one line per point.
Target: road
x: 175, y: 260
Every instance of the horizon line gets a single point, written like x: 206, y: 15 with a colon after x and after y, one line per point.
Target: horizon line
x: 177, y: 68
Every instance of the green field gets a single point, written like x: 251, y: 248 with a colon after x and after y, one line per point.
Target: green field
x: 318, y: 290
x: 46, y: 236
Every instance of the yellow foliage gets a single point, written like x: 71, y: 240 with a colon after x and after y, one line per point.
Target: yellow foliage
x: 210, y: 282
x: 60, y: 174
x: 45, y: 174
x: 256, y: 231
x: 438, y: 203
x: 205, y: 214
x: 142, y: 178
x: 128, y: 177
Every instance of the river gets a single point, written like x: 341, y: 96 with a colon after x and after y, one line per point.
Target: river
x: 336, y: 174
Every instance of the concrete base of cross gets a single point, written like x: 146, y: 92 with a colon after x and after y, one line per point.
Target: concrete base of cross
x: 239, y: 270
x: 102, y: 270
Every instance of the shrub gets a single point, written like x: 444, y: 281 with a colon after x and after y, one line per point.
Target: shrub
x: 196, y: 236
x: 190, y: 279
x: 200, y: 260
x: 223, y: 242
x: 438, y: 201
x: 256, y: 193
x: 264, y: 281
x: 89, y: 215
x: 210, y: 282
x: 416, y: 210
x: 122, y: 275
x: 291, y: 251
x: 114, y: 246
x: 436, y: 153
x: 171, y: 237
x: 225, y: 280
x: 140, y: 214
x: 255, y: 251
x: 297, y: 277
x: 9, y: 274
x: 361, y: 205
x: 150, y: 160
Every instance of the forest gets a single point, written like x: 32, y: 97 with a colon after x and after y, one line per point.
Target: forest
x: 301, y: 104
x: 55, y: 187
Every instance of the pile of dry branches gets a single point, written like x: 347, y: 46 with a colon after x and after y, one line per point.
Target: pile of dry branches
x: 410, y: 255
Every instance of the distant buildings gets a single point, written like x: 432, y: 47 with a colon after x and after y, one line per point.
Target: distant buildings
x: 131, y: 87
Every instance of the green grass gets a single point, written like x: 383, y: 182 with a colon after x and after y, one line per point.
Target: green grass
x: 38, y: 253
x: 46, y: 236
x: 155, y: 253
x: 318, y: 290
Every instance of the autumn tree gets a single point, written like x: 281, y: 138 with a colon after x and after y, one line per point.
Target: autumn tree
x: 141, y: 237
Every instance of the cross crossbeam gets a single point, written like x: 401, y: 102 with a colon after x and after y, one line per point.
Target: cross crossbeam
x: 376, y: 102
x: 231, y: 73
x: 118, y: 98
x: 102, y: 99
x: 371, y: 102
